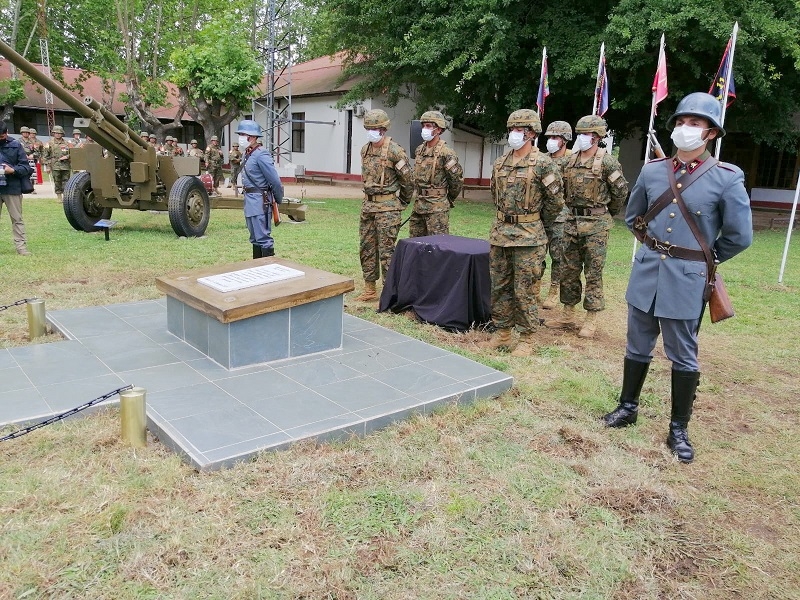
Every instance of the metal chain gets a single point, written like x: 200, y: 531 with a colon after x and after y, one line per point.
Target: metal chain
x: 17, y: 303
x: 64, y: 415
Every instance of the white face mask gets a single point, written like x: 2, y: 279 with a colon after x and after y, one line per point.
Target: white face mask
x: 553, y: 145
x: 688, y: 138
x: 584, y: 142
x: 374, y: 135
x: 516, y: 139
x: 243, y: 141
x: 427, y: 134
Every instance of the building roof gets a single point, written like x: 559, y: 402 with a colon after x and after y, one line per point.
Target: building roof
x: 92, y: 86
x: 318, y: 77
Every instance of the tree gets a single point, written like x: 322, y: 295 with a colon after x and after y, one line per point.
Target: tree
x: 11, y: 91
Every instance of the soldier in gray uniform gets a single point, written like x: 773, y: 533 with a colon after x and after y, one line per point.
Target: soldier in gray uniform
x: 665, y: 291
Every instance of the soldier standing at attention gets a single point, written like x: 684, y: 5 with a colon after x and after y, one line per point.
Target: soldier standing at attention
x: 595, y: 192
x: 25, y: 141
x: 385, y: 172
x: 558, y: 133
x: 438, y: 179
x: 76, y: 140
x: 56, y: 154
x: 214, y: 159
x: 669, y: 275
x: 527, y: 191
x: 235, y: 157
x: 259, y: 177
x: 195, y: 151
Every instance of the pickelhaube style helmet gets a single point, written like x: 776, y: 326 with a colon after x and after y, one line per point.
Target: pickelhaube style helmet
x: 24, y: 129
x: 435, y: 117
x: 249, y: 127
x: 214, y: 138
x: 699, y: 104
x: 525, y: 117
x: 193, y: 142
x: 592, y: 124
x: 58, y: 129
x: 376, y: 118
x: 561, y: 129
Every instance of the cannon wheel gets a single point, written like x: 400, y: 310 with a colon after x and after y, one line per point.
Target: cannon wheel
x: 189, y: 207
x: 79, y: 206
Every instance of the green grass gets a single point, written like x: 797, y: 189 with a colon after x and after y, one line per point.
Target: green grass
x: 524, y: 496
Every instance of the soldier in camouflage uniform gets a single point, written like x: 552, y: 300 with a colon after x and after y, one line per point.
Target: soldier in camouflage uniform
x: 385, y: 172
x: 56, y: 155
x: 25, y: 142
x: 214, y: 159
x: 528, y: 193
x: 235, y: 157
x: 195, y: 151
x: 558, y: 133
x: 595, y: 191
x: 438, y: 179
x: 76, y: 141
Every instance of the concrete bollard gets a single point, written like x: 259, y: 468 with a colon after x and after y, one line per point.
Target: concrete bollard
x: 133, y: 417
x: 37, y: 324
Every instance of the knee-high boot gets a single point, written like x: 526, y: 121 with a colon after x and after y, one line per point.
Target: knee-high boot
x: 634, y: 374
x: 684, y: 391
x: 256, y: 251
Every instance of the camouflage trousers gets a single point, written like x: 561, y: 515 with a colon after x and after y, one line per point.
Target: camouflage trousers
x: 235, y: 170
x: 216, y: 175
x: 585, y: 253
x: 437, y: 223
x: 60, y: 177
x: 555, y: 246
x: 514, y: 270
x: 378, y: 234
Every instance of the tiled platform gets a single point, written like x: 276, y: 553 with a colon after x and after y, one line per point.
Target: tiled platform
x: 215, y: 417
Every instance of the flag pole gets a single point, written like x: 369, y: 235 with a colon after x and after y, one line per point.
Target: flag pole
x: 789, y: 231
x: 542, y: 75
x: 597, y: 79
x: 727, y: 85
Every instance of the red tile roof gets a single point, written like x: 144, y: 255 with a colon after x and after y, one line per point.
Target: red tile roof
x: 318, y: 77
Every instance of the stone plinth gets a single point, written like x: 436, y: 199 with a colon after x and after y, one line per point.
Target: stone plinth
x: 258, y: 324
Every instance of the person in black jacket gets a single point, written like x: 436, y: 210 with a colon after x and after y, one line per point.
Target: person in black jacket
x: 14, y: 166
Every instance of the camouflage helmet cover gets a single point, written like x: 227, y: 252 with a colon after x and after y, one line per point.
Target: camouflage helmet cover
x: 152, y: 136
x: 74, y: 131
x: 525, y: 117
x: 435, y: 117
x: 592, y: 124
x: 376, y: 118
x: 235, y: 144
x: 32, y: 130
x: 193, y: 142
x: 702, y: 105
x: 143, y: 134
x: 58, y: 129
x: 168, y: 138
x: 560, y: 129
x: 24, y: 129
x: 214, y: 138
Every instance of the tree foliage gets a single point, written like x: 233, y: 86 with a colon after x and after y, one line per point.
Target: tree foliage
x: 481, y: 59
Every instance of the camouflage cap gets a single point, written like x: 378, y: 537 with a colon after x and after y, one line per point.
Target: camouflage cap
x: 32, y: 130
x: 152, y: 136
x: 24, y: 129
x: 525, y: 117
x: 58, y: 129
x: 435, y: 117
x: 143, y: 134
x: 560, y: 129
x: 592, y: 124
x: 376, y: 118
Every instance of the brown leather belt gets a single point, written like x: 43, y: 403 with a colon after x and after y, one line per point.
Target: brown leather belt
x: 249, y: 190
x: 671, y: 250
x: 514, y: 219
x: 585, y: 211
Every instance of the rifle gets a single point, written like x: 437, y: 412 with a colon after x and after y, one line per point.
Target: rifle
x: 656, y: 147
x: 270, y: 204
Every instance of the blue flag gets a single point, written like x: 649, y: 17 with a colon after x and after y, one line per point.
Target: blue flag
x: 544, y: 86
x: 717, y: 88
x: 601, y: 88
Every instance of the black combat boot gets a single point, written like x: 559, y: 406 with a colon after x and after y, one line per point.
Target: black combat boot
x: 256, y: 251
x: 265, y: 252
x: 684, y: 390
x: 634, y: 374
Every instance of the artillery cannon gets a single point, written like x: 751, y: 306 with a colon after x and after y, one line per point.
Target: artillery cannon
x: 130, y: 175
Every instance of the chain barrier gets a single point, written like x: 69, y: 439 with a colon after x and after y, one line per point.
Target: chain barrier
x: 17, y: 303
x: 64, y: 415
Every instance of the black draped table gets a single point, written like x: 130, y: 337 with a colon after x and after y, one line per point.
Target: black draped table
x: 444, y: 278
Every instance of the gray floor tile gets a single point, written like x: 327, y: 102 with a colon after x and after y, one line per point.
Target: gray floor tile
x: 135, y: 309
x: 297, y: 409
x: 90, y: 322
x: 360, y: 393
x: 263, y: 384
x: 191, y: 400
x: 459, y: 392
x: 351, y: 323
x: 491, y: 385
x: 458, y: 367
x: 64, y: 396
x: 415, y: 350
x: 62, y: 371
x: 140, y: 358
x: 383, y: 415
x: 42, y: 355
x: 22, y: 406
x: 378, y: 336
x: 150, y: 321
x: 14, y: 378
x: 351, y: 344
x: 164, y: 377
x: 332, y: 429
x: 224, y: 427
x: 371, y: 360
x: 319, y: 372
x: 227, y: 457
x: 6, y: 360
x: 182, y: 350
x: 413, y: 379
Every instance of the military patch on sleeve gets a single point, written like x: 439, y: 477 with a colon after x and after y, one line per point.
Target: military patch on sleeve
x: 550, y: 178
x: 450, y: 165
x: 616, y: 179
x: 401, y: 165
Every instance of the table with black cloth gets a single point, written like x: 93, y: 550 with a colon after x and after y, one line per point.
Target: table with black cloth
x: 444, y: 278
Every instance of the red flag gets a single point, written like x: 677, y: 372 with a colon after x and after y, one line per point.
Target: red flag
x: 660, y: 80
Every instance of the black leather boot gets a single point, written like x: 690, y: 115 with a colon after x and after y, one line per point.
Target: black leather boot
x: 634, y: 374
x: 265, y: 252
x: 256, y: 251
x: 684, y: 391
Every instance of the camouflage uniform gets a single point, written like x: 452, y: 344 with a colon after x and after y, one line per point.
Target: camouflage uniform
x: 438, y: 179
x: 528, y: 195
x: 76, y: 142
x: 56, y: 154
x: 235, y: 158
x: 197, y: 152
x: 384, y: 171
x: 595, y: 191
x: 214, y: 159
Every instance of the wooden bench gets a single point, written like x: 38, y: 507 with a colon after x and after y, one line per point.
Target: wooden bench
x: 314, y: 179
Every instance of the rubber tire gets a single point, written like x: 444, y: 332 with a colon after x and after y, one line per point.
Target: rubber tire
x: 189, y: 207
x: 79, y: 206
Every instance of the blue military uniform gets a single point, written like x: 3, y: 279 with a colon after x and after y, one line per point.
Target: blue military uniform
x: 258, y: 173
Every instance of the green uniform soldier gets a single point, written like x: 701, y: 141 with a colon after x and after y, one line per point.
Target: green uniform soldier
x: 25, y: 142
x: 527, y: 190
x: 438, y: 179
x: 235, y: 158
x: 558, y: 133
x: 595, y: 191
x: 76, y: 141
x: 385, y: 172
x: 214, y: 159
x: 197, y: 152
x: 56, y: 155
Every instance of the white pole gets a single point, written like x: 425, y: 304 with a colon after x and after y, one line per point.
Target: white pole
x: 597, y: 79
x: 727, y: 85
x: 789, y: 231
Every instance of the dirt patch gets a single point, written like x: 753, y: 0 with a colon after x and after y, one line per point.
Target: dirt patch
x: 628, y: 503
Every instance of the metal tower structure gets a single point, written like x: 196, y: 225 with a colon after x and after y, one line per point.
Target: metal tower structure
x: 273, y: 108
x: 44, y: 51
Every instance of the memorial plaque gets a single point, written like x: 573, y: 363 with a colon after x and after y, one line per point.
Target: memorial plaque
x: 246, y: 278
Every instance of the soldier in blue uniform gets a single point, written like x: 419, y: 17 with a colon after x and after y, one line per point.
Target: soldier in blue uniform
x: 665, y: 291
x: 258, y: 176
